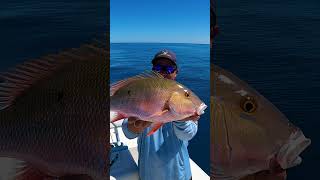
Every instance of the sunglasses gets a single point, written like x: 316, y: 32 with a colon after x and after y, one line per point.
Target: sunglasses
x: 164, y: 69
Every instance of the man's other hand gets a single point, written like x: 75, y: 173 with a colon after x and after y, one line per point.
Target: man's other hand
x: 136, y: 125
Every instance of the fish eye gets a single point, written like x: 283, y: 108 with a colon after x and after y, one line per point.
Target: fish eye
x: 249, y: 105
x: 186, y: 94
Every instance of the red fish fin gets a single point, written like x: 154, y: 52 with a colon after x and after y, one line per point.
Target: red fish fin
x: 158, y: 113
x: 115, y: 116
x: 155, y: 127
x: 27, y: 172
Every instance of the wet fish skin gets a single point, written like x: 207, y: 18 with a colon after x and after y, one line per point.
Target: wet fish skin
x: 151, y: 97
x: 146, y: 97
x: 56, y: 119
x: 246, y: 142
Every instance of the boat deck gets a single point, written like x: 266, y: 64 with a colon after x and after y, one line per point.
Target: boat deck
x: 125, y: 157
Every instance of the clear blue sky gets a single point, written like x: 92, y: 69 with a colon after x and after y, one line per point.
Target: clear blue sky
x: 170, y: 21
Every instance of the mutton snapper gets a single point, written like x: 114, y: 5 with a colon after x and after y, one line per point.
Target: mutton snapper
x: 151, y: 97
x: 249, y: 134
x: 53, y: 115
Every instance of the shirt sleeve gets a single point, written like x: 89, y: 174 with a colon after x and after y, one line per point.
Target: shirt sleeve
x: 129, y: 134
x: 185, y: 130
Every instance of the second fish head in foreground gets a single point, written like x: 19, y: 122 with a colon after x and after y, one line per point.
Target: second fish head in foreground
x: 249, y: 134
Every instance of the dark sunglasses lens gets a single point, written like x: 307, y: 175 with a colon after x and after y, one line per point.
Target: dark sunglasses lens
x: 157, y: 68
x: 165, y: 69
x: 170, y: 69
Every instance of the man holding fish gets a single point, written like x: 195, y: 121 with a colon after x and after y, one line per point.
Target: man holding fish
x: 163, y: 134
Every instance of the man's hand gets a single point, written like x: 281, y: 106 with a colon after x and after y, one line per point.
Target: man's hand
x: 136, y: 125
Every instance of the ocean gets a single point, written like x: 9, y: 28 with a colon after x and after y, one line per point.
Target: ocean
x: 274, y: 46
x: 128, y: 59
x: 30, y: 29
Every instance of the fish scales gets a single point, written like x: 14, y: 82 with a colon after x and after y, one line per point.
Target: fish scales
x: 149, y: 94
x: 60, y: 122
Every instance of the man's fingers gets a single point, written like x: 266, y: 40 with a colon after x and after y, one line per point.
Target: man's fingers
x: 141, y: 124
x: 138, y: 123
x: 132, y: 119
x: 146, y: 123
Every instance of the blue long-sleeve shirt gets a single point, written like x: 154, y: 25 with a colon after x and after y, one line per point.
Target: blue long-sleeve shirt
x: 164, y: 154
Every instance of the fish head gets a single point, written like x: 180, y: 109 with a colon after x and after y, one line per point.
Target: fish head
x: 249, y: 132
x: 185, y: 103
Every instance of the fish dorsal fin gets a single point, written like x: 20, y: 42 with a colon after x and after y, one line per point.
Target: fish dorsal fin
x: 17, y: 80
x: 146, y: 74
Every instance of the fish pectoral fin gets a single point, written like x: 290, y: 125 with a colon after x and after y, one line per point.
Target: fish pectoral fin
x: 116, y: 116
x: 155, y: 127
x: 27, y: 172
x: 158, y: 114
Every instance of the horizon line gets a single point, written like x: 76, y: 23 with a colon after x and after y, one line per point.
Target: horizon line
x: 161, y: 42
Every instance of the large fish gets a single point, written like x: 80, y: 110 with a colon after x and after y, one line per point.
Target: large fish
x: 151, y: 97
x: 249, y: 134
x: 54, y: 116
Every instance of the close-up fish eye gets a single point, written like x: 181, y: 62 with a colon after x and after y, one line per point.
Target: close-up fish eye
x: 186, y: 93
x: 248, y: 104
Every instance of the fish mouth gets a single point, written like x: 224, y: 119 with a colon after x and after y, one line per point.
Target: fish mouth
x: 288, y: 155
x: 201, y: 109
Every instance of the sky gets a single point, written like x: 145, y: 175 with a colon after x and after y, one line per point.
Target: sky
x: 160, y: 21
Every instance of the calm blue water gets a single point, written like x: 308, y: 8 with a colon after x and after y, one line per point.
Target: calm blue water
x: 29, y: 29
x: 274, y: 46
x: 193, y: 60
